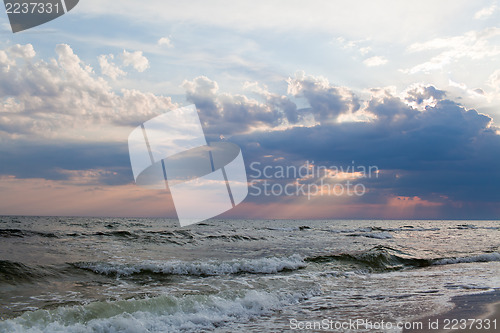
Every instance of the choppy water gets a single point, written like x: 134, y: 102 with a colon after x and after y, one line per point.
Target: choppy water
x: 61, y: 274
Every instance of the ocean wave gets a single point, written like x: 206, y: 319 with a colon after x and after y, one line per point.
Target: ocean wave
x: 377, y: 235
x: 346, y: 231
x: 378, y: 258
x: 117, y: 233
x: 19, y: 233
x: 232, y: 238
x: 12, y: 272
x: 485, y: 257
x: 464, y: 226
x: 178, y: 237
x: 425, y: 229
x: 467, y: 286
x: 298, y: 228
x: 384, y: 258
x: 190, y: 313
x: 140, y: 233
x: 209, y: 268
x: 405, y: 228
x: 174, y: 233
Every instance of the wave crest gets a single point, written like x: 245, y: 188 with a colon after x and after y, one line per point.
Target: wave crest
x: 210, y: 268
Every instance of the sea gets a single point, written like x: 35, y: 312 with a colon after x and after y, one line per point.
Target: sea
x: 82, y: 274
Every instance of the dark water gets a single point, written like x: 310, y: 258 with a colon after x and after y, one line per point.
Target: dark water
x: 60, y: 274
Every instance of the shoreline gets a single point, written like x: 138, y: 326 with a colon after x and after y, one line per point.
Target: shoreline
x: 478, y: 310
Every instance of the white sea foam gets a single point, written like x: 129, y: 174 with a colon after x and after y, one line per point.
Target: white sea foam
x: 284, y: 228
x: 343, y: 231
x: 160, y: 314
x: 255, y: 266
x: 379, y: 235
x: 423, y: 229
x: 486, y: 257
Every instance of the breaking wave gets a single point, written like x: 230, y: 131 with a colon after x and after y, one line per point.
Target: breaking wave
x: 209, y: 268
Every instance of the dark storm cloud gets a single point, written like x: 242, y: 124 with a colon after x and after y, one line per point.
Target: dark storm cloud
x: 229, y: 114
x: 444, y: 151
x: 234, y: 114
x: 327, y: 102
x: 52, y: 160
x: 441, y: 150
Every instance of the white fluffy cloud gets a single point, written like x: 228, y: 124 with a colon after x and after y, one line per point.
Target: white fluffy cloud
x: 494, y: 80
x: 8, y: 57
x: 165, y: 41
x: 64, y: 98
x: 485, y: 12
x: 375, y: 61
x: 113, y: 70
x: 473, y: 45
x: 109, y: 68
x: 22, y: 51
x: 135, y: 59
x: 357, y: 45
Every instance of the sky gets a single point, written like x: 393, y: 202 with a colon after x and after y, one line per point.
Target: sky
x: 408, y: 90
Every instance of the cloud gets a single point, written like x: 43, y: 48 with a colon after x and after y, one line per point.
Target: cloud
x: 494, y: 80
x: 8, y: 57
x: 361, y: 48
x: 375, y: 61
x: 5, y: 62
x: 420, y: 96
x: 425, y: 145
x: 442, y: 153
x: 135, y: 59
x: 357, y: 45
x: 228, y: 114
x: 473, y: 45
x: 63, y: 98
x: 22, y: 51
x: 393, y: 21
x: 109, y: 68
x: 492, y: 91
x: 327, y: 101
x: 165, y: 41
x: 57, y: 160
x: 485, y: 12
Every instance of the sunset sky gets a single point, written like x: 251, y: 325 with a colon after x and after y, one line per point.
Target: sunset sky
x: 413, y: 89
